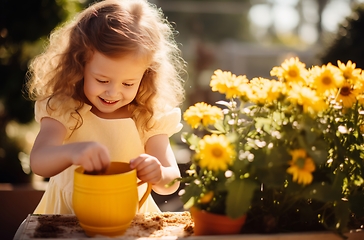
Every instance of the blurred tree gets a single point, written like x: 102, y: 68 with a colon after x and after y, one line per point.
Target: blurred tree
x: 202, y: 26
x: 23, y: 23
x: 348, y: 43
x: 209, y: 20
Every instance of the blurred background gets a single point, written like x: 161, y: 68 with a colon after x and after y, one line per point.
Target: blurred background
x: 246, y: 37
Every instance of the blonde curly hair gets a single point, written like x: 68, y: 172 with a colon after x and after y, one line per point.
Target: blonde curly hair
x: 113, y: 28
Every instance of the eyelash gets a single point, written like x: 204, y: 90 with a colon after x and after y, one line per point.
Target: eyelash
x: 100, y: 81
x: 125, y: 84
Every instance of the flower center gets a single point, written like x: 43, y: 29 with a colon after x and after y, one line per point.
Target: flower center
x: 217, y: 152
x: 300, y: 162
x: 292, y: 73
x: 347, y: 75
x: 345, y: 91
x: 326, y: 80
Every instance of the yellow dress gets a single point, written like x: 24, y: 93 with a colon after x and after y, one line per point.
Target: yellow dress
x: 120, y: 136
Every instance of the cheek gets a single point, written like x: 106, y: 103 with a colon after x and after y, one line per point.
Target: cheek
x: 134, y: 93
x: 131, y: 94
x: 90, y: 89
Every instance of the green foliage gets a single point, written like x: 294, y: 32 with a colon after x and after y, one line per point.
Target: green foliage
x: 239, y: 197
x: 297, y: 150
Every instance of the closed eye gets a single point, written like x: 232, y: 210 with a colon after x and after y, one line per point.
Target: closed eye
x: 128, y: 84
x: 101, y: 81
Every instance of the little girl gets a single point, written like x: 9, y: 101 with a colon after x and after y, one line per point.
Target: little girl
x: 107, y: 88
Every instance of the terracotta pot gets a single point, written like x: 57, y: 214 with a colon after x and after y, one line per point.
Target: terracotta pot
x: 207, y: 223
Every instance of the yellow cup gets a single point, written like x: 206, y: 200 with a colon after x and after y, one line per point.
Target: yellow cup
x: 106, y: 204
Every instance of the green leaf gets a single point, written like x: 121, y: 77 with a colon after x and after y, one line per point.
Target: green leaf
x: 219, y: 125
x: 191, y: 191
x: 278, y: 155
x: 240, y: 194
x: 311, y: 136
x: 319, y: 153
x: 342, y: 213
x: 263, y: 123
x: 191, y: 139
x: 338, y: 181
x: 189, y: 203
x: 322, y: 192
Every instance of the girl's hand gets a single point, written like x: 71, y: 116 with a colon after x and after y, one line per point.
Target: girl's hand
x: 92, y: 156
x: 158, y: 166
x: 148, y: 168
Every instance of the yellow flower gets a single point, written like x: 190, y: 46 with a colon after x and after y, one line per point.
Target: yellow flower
x: 307, y: 98
x: 206, y: 198
x: 347, y: 95
x: 291, y: 71
x: 264, y: 91
x: 229, y: 84
x: 359, y: 84
x: 301, y: 167
x: 216, y: 152
x: 326, y: 79
x: 349, y: 70
x: 360, y: 99
x: 361, y: 128
x: 202, y: 113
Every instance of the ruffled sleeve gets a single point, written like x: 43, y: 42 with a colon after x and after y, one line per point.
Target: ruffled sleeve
x: 68, y: 116
x: 169, y: 123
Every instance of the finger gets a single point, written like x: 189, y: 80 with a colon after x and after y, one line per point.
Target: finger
x: 104, y: 159
x: 144, y: 168
x: 151, y: 178
x: 96, y: 163
x: 134, y: 163
x: 150, y: 172
x: 104, y: 162
x: 87, y: 166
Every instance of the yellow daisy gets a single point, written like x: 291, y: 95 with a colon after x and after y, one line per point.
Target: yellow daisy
x: 301, y: 167
x: 347, y: 95
x: 326, y: 79
x: 264, y: 91
x: 202, y: 113
x: 359, y: 84
x: 229, y: 84
x: 349, y: 70
x: 360, y: 99
x: 307, y: 98
x: 216, y: 152
x: 291, y: 71
x: 258, y: 94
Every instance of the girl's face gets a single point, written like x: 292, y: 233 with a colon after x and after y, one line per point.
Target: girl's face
x: 110, y: 84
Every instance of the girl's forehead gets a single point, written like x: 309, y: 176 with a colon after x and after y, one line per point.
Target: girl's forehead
x: 126, y: 64
x: 127, y: 57
x: 130, y: 55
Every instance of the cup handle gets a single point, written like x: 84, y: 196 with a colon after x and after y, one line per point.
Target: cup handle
x: 146, y: 194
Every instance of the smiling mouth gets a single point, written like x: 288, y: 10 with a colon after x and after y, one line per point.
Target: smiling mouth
x: 108, y: 101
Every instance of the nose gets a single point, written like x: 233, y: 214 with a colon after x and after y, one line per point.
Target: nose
x: 113, y: 91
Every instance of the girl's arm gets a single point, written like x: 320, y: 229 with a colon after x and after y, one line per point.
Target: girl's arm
x: 158, y: 166
x: 50, y: 156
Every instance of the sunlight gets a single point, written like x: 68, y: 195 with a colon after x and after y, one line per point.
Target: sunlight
x: 334, y: 13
